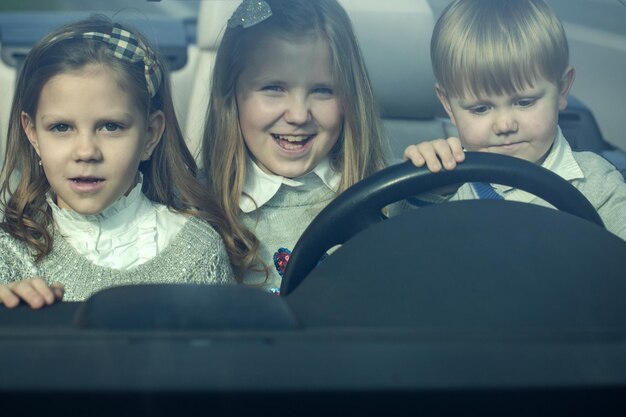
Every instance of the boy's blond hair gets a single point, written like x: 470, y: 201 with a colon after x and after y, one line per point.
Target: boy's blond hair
x: 489, y: 47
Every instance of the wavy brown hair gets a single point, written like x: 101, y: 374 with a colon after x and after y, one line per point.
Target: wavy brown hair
x: 169, y: 175
x: 360, y: 150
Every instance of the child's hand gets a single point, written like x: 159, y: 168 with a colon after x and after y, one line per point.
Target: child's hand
x: 435, y: 152
x: 34, y: 291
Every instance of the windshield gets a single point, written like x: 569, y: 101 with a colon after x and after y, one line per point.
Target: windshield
x: 446, y: 269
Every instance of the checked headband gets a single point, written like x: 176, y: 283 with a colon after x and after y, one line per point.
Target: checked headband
x: 125, y: 46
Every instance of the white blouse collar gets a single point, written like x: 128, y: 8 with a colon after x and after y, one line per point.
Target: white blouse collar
x: 560, y: 160
x: 260, y: 187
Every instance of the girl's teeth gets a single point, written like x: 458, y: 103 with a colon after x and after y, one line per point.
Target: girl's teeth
x: 292, y: 139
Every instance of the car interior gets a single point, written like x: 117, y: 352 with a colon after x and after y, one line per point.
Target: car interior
x: 398, y: 320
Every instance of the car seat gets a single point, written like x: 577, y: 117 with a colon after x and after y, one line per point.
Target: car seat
x: 212, y: 17
x: 395, y: 41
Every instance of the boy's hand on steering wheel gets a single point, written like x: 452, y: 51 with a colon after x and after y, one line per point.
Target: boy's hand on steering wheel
x: 435, y: 153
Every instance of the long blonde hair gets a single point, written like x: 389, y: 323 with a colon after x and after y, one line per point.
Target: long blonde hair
x: 169, y: 175
x: 497, y: 46
x: 360, y: 150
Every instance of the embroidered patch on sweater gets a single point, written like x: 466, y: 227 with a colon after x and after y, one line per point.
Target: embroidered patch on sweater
x: 281, y: 259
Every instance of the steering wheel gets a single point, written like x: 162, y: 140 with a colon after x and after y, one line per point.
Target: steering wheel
x: 360, y: 206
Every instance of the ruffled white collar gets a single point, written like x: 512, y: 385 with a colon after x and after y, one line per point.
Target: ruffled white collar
x: 260, y: 187
x: 129, y: 203
x: 126, y: 234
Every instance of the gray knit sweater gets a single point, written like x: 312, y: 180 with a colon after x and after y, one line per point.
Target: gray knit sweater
x: 279, y: 223
x: 196, y: 255
x: 601, y: 183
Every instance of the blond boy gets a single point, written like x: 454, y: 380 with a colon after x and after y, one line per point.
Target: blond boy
x: 503, y: 74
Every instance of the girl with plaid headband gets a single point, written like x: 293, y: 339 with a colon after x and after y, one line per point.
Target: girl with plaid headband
x: 99, y: 187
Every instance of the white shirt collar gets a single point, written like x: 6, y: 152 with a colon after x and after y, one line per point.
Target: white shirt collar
x: 560, y: 160
x: 260, y: 187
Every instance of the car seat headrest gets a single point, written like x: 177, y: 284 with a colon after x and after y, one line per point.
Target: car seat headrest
x: 395, y: 40
x: 212, y: 19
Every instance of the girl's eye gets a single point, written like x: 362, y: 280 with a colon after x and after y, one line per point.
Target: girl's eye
x: 273, y: 88
x: 327, y: 91
x: 60, y: 127
x: 526, y: 102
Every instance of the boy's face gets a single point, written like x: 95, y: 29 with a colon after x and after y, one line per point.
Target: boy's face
x: 522, y: 125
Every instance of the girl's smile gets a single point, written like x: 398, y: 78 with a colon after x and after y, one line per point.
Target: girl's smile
x: 293, y: 142
x: 289, y: 114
